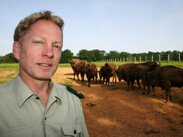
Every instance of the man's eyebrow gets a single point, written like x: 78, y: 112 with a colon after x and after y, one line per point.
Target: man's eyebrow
x: 37, y: 36
x: 58, y: 42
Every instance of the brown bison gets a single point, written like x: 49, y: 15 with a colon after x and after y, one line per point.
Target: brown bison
x: 131, y: 72
x: 151, y: 64
x: 91, y: 72
x: 79, y: 68
x: 101, y: 73
x: 73, y: 61
x: 146, y: 68
x: 83, y: 65
x: 109, y: 71
x: 166, y: 77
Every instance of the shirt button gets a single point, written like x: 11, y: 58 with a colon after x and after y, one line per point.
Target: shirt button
x: 75, y: 131
x: 45, y: 118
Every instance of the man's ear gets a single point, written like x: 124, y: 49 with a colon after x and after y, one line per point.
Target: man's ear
x: 16, y: 49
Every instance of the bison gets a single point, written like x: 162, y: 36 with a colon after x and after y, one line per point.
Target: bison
x: 83, y: 65
x: 131, y: 72
x: 166, y: 77
x: 151, y: 64
x: 73, y: 61
x: 109, y: 71
x: 101, y: 73
x: 91, y: 72
x: 77, y: 69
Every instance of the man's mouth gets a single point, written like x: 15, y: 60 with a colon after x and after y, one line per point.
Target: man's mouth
x: 45, y: 65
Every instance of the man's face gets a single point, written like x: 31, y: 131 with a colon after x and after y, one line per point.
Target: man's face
x: 40, y: 50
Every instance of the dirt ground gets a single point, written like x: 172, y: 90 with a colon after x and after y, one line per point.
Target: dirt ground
x: 114, y: 112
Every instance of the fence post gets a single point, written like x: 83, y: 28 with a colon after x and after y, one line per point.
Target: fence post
x: 140, y: 58
x: 159, y: 58
x: 168, y: 57
x: 152, y: 58
x: 179, y: 57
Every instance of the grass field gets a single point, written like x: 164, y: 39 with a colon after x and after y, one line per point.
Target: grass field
x: 10, y: 70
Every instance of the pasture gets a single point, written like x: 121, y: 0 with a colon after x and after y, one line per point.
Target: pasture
x: 112, y: 111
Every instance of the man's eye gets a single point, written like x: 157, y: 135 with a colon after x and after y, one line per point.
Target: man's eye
x: 57, y: 46
x: 38, y: 42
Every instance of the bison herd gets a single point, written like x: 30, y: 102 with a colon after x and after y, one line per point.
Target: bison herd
x: 149, y: 73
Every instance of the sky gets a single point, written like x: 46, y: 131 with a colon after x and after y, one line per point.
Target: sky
x: 134, y: 26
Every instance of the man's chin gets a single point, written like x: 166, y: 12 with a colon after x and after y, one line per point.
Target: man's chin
x: 43, y: 77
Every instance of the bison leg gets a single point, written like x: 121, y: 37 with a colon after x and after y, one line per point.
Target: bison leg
x: 74, y: 75
x: 132, y: 83
x: 138, y: 83
x: 167, y: 87
x: 128, y: 88
x: 168, y: 95
x: 78, y: 76
x: 144, y: 84
x: 107, y: 81
x: 89, y: 81
x: 103, y: 80
x: 96, y: 78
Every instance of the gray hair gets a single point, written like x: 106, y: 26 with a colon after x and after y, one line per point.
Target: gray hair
x: 27, y: 22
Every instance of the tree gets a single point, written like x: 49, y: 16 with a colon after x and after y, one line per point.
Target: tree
x: 8, y: 58
x: 99, y: 54
x: 113, y: 55
x: 67, y: 55
x: 175, y: 55
x: 86, y: 55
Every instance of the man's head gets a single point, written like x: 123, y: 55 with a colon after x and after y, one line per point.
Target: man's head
x: 25, y: 24
x: 38, y: 41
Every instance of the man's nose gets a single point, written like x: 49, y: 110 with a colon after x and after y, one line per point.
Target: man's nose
x: 48, y: 51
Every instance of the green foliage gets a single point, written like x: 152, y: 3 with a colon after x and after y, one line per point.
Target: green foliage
x: 66, y: 56
x: 101, y: 55
x: 86, y: 55
x: 8, y: 58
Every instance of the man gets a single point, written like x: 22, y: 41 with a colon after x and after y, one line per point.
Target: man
x: 32, y: 105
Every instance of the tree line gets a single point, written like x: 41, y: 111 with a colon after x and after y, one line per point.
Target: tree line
x: 101, y: 55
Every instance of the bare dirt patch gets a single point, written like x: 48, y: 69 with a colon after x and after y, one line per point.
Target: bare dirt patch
x: 114, y: 112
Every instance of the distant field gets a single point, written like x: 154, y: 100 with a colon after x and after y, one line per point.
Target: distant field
x: 177, y: 64
x: 10, y: 70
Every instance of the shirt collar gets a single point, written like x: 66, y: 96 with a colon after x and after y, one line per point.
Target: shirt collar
x: 54, y: 92
x: 23, y: 92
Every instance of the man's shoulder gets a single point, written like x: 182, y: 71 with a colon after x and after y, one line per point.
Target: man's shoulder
x: 6, y: 86
x: 73, y: 91
x: 69, y: 90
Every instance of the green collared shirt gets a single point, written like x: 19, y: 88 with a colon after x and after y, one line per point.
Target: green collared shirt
x: 23, y: 113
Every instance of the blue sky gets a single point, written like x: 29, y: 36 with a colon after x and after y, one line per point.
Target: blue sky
x: 133, y: 26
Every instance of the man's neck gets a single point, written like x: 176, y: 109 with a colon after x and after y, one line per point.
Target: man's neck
x: 39, y: 87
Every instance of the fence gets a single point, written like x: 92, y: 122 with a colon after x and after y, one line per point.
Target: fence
x: 134, y: 59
